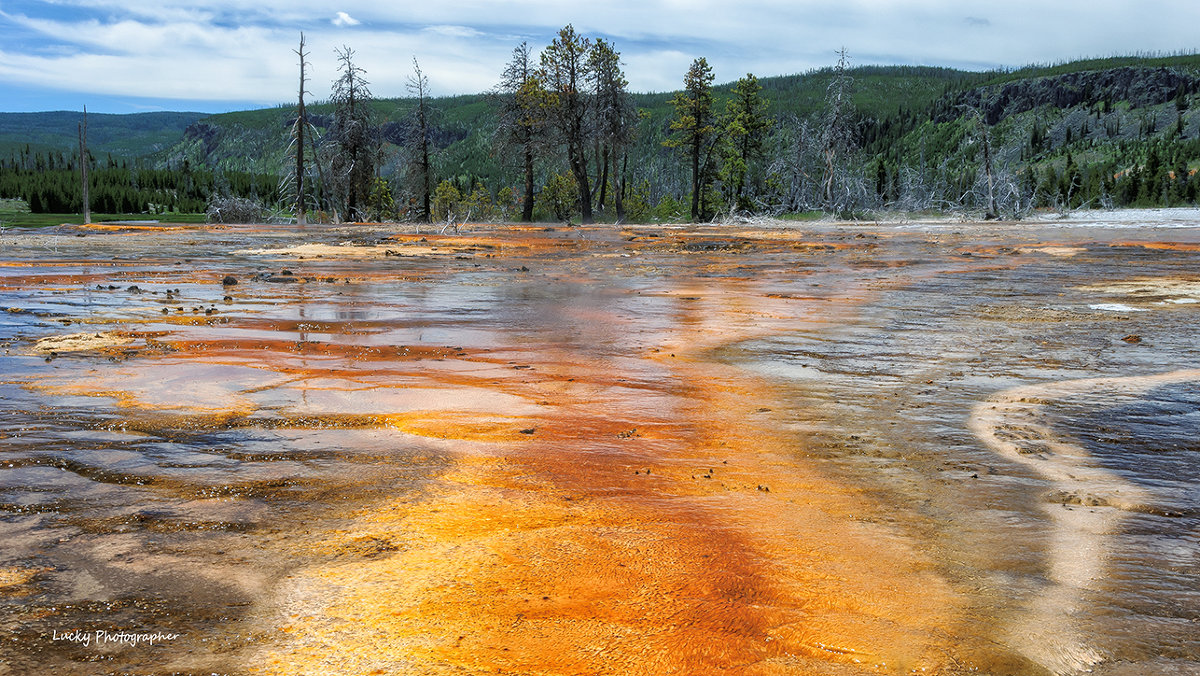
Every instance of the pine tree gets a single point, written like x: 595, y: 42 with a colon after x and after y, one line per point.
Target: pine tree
x: 524, y: 108
x: 746, y: 126
x: 564, y: 72
x: 615, y: 119
x: 695, y: 129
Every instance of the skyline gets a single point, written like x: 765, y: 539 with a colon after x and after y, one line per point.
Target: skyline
x: 217, y: 56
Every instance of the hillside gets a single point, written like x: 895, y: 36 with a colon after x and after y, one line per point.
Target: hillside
x: 1122, y: 130
x: 256, y: 141
x: 123, y: 136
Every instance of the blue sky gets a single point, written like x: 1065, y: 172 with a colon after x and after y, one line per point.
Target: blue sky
x: 125, y: 56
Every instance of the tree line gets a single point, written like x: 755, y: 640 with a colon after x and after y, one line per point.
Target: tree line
x: 567, y: 126
x: 564, y: 115
x: 574, y: 145
x: 49, y: 182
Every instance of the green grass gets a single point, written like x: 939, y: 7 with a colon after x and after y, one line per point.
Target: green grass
x: 24, y: 219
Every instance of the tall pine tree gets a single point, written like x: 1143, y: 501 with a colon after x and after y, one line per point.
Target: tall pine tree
x: 695, y: 129
x: 564, y: 72
x: 746, y: 126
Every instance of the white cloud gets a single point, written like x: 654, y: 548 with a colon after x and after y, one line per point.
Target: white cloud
x: 454, y: 31
x: 232, y: 50
x: 343, y: 19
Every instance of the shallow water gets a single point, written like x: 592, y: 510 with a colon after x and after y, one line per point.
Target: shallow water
x: 931, y: 448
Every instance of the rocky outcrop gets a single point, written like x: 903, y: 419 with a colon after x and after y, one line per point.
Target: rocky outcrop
x: 208, y: 134
x: 1137, y: 86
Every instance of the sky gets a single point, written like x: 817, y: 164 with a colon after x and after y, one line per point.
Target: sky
x: 127, y: 56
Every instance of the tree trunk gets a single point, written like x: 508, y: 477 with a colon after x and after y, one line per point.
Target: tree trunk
x: 619, y: 188
x: 604, y: 177
x: 987, y: 167
x: 83, y: 168
x: 301, y: 127
x: 829, y: 179
x: 426, y: 209
x: 579, y: 166
x: 527, y: 206
x: 426, y: 212
x: 695, y: 181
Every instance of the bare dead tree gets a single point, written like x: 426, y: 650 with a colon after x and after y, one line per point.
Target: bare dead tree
x: 299, y: 128
x: 837, y: 131
x: 419, y: 133
x: 985, y: 143
x: 353, y: 139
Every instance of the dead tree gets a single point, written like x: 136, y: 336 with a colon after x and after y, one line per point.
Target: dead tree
x: 837, y: 134
x: 419, y: 132
x: 985, y: 142
x: 298, y: 133
x: 353, y: 140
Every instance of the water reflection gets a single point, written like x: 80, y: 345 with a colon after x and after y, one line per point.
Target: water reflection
x: 637, y: 450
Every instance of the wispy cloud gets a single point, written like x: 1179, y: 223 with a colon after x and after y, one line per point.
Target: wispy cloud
x: 223, y: 50
x: 454, y: 31
x: 343, y: 19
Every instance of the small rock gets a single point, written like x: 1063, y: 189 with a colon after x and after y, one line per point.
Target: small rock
x: 1132, y: 339
x: 229, y: 280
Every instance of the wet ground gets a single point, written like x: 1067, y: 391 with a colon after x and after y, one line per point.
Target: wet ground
x: 754, y: 449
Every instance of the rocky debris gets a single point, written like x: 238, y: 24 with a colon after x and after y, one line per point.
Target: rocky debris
x: 1132, y: 339
x: 229, y: 280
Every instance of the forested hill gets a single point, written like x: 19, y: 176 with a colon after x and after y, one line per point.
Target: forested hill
x: 122, y: 136
x: 257, y: 140
x: 1118, y: 131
